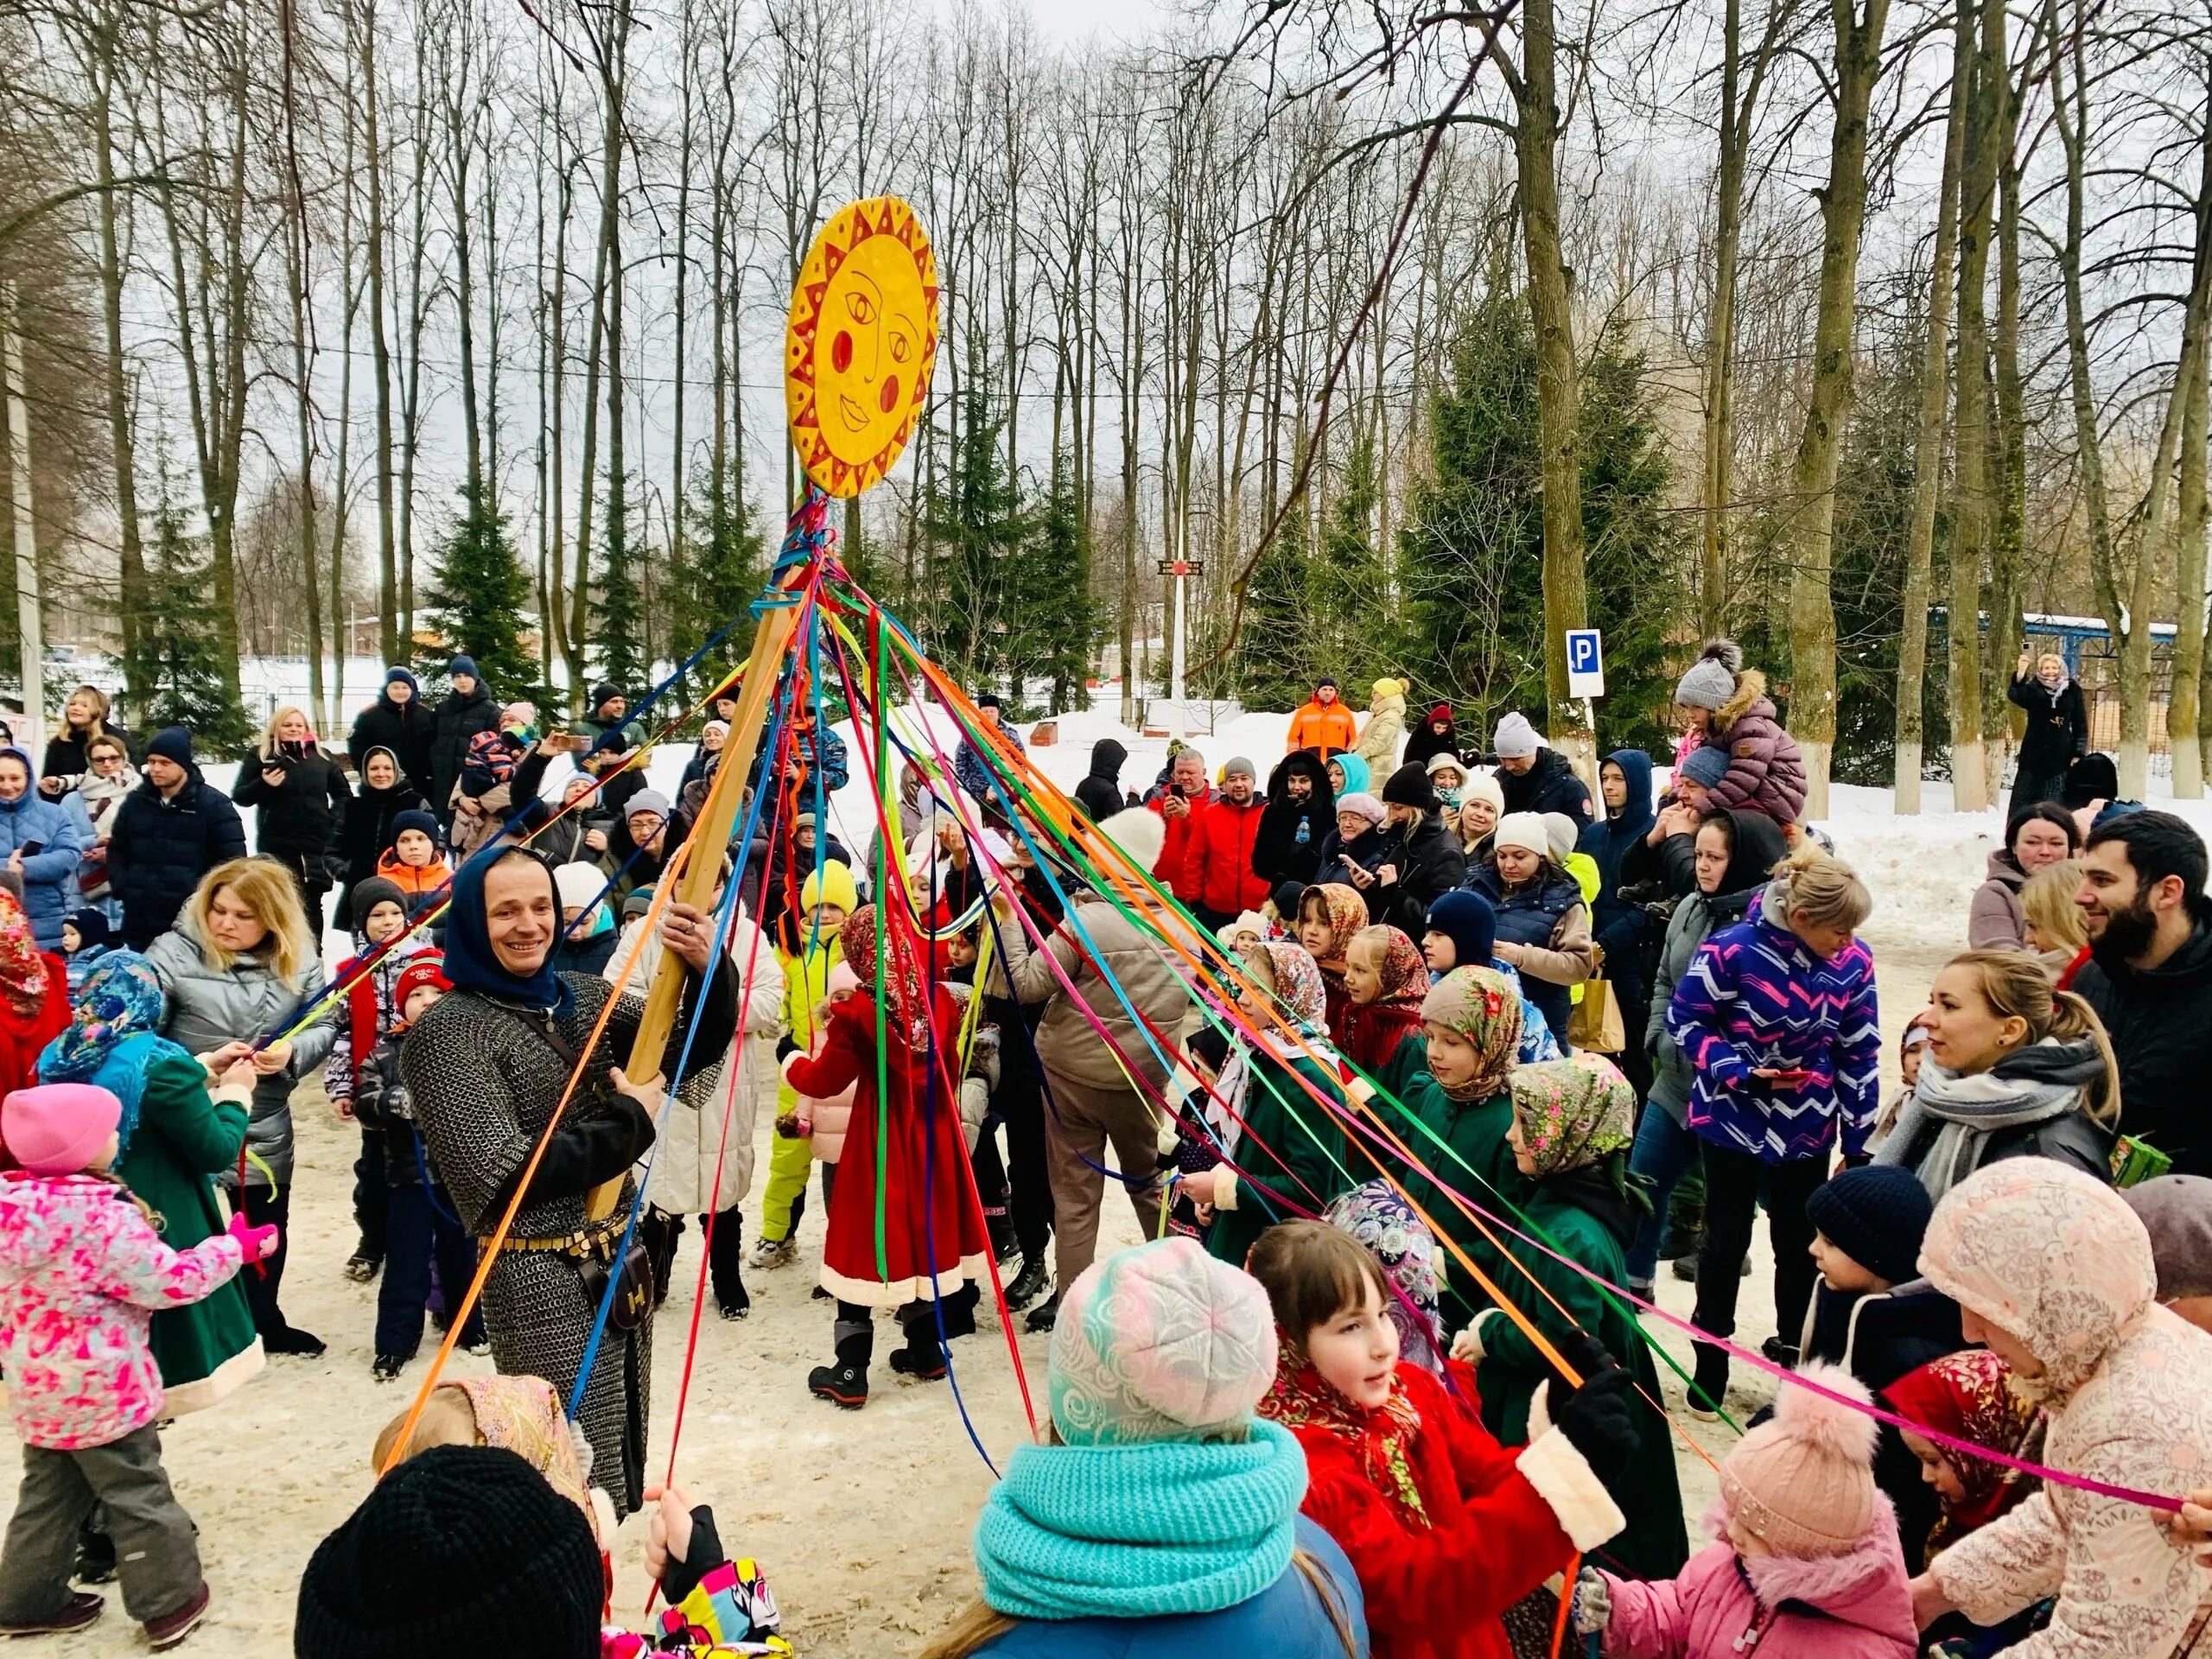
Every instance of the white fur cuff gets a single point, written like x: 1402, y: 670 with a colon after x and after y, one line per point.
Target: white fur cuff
x: 1224, y: 1187
x: 783, y: 1067
x: 1563, y: 1479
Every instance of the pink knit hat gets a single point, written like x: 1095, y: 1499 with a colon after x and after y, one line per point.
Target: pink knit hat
x: 58, y: 1129
x: 1804, y: 1480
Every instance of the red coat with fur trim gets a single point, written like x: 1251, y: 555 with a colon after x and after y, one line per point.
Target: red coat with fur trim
x: 1493, y: 1535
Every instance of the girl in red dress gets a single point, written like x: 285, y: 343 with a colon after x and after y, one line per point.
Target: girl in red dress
x: 917, y: 1244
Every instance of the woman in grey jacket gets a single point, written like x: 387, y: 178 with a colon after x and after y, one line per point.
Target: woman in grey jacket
x: 239, y: 964
x: 1735, y: 852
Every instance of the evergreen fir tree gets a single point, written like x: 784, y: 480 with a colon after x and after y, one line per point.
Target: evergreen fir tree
x: 980, y: 526
x: 1472, y: 552
x: 1348, y: 585
x: 619, y: 609
x: 1049, y: 623
x: 177, y: 659
x: 1276, y: 661
x: 478, y: 599
x: 726, y: 561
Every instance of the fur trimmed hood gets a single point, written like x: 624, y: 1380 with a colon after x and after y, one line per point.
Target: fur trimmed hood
x: 1860, y: 1587
x: 1750, y: 692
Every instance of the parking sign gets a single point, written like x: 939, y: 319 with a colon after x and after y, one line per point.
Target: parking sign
x: 1586, y: 662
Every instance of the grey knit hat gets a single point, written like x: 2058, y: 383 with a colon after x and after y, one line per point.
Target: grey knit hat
x: 1237, y: 765
x: 1515, y: 737
x: 2176, y: 1211
x: 1706, y: 765
x: 1711, y: 679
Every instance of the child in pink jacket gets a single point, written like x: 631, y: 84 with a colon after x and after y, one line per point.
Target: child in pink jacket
x: 82, y: 1272
x: 1807, y: 1564
x: 825, y: 1121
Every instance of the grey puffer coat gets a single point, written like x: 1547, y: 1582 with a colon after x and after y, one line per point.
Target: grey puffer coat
x: 207, y: 1008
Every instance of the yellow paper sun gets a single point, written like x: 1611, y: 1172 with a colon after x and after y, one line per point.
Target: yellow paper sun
x: 861, y: 343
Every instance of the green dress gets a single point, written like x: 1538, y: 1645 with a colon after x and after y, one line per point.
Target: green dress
x: 184, y: 1139
x: 1475, y: 1130
x: 1291, y: 1144
x: 1576, y: 1213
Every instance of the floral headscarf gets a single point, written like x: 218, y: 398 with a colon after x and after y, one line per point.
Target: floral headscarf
x: 1381, y: 1440
x: 1485, y: 1008
x: 1297, y: 985
x: 22, y: 970
x: 2050, y: 1254
x: 1573, y: 1112
x: 1970, y: 1397
x: 1347, y: 914
x: 1404, y: 972
x: 522, y: 1414
x: 114, y: 1036
x: 907, y: 1010
x: 1378, y: 1215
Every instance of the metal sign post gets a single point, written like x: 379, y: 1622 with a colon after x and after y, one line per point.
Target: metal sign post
x: 1585, y: 678
x: 1181, y: 569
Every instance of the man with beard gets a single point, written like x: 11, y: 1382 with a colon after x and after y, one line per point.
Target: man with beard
x: 1300, y: 812
x: 2149, y: 977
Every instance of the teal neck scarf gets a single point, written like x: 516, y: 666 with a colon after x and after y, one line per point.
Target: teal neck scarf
x: 1140, y: 1531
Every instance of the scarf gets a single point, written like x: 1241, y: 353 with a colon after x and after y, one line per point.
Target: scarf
x: 522, y: 1414
x: 1482, y: 1008
x: 906, y: 1009
x: 1572, y: 1113
x: 1378, y: 1217
x: 1969, y: 1396
x: 1373, y: 1030
x: 1943, y: 1127
x: 23, y: 969
x: 1381, y: 1440
x: 114, y: 1036
x: 1347, y: 914
x: 1140, y: 1531
x: 471, y: 962
x: 1301, y: 992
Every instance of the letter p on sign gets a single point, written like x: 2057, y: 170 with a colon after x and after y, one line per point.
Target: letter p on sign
x: 1586, y: 662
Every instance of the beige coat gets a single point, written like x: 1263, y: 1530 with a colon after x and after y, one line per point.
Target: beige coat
x: 1152, y: 978
x: 1378, y: 739
x: 2056, y: 1259
x: 692, y: 1142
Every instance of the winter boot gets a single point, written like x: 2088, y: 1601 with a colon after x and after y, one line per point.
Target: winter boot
x: 1710, y: 1386
x: 1028, y: 1284
x: 922, y: 1358
x: 845, y: 1382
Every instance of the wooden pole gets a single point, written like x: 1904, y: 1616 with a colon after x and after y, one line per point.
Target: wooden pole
x: 696, y: 886
x: 14, y: 390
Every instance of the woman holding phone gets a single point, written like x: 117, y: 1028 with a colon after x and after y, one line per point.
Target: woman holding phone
x: 297, y: 793
x: 1776, y: 1018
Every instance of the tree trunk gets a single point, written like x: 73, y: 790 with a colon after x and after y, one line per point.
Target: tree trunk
x: 1558, y: 398
x: 2184, y: 708
x: 2009, y: 454
x: 1928, y: 444
x: 1972, y: 788
x: 296, y: 280
x: 1812, y: 603
x: 379, y: 346
x: 130, y: 555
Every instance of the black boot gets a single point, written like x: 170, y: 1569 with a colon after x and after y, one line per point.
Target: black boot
x: 845, y: 1382
x: 1044, y: 1315
x: 922, y: 1358
x: 1710, y: 1385
x: 726, y: 1263
x: 1028, y: 1284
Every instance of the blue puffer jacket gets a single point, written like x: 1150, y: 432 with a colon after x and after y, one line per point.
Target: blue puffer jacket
x: 1285, y: 1621
x: 50, y: 874
x: 1619, y: 927
x: 1531, y: 914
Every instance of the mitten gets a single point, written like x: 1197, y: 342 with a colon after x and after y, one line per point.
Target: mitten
x: 254, y: 1244
x: 1593, y: 1602
x: 786, y: 1045
x: 1599, y: 1420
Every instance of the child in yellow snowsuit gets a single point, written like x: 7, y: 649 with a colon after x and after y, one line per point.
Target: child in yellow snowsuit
x: 828, y: 896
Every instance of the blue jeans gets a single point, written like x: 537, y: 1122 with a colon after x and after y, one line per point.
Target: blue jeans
x: 420, y: 1228
x: 1662, y: 1150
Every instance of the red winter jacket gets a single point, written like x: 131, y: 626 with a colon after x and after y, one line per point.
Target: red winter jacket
x: 1492, y: 1538
x: 1169, y: 868
x: 1217, y: 857
x: 1765, y: 771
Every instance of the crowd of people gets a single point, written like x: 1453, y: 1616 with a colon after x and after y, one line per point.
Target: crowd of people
x: 1416, y: 1064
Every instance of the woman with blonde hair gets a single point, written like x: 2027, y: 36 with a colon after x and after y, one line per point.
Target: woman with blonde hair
x: 298, y: 794
x: 2013, y: 1070
x: 2050, y: 921
x: 1776, y: 1018
x: 239, y: 962
x: 85, y: 717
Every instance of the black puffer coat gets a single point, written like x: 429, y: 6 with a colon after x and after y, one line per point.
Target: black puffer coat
x: 2161, y: 1028
x: 297, y: 794
x: 1100, y: 792
x: 458, y: 720
x: 406, y: 728
x: 365, y: 834
x: 1288, y: 846
x: 1430, y: 863
x: 1550, y: 785
x: 161, y: 848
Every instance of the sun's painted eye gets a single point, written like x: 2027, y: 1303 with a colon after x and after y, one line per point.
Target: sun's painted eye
x: 902, y: 346
x: 859, y: 308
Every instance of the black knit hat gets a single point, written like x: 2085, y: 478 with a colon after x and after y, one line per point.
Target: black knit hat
x: 1409, y: 786
x: 91, y: 927
x: 1877, y: 1215
x: 462, y: 1549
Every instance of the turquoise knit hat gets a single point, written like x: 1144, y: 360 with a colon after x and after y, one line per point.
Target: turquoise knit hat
x: 1161, y: 1342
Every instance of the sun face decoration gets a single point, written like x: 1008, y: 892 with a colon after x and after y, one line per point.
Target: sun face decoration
x: 861, y: 343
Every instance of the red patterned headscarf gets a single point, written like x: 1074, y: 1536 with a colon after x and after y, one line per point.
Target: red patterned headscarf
x: 906, y: 998
x: 1969, y: 1396
x: 23, y: 969
x: 1381, y: 1440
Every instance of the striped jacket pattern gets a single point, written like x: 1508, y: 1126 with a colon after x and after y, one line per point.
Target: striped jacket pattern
x: 1755, y: 998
